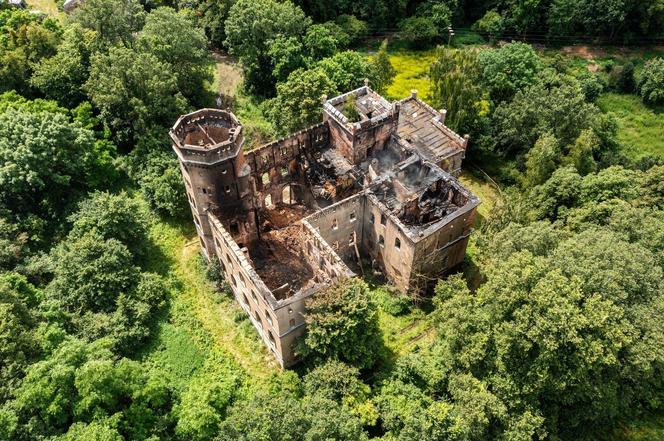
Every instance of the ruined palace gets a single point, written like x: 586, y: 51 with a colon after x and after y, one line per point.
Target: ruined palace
x: 371, y: 188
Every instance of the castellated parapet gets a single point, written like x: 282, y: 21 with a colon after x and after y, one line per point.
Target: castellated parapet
x: 289, y: 218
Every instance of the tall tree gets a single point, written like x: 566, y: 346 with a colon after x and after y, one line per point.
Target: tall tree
x: 114, y: 21
x: 456, y: 86
x: 134, y: 91
x: 383, y: 71
x: 509, y: 69
x: 342, y: 324
x: 174, y: 39
x: 298, y: 101
x: 251, y: 26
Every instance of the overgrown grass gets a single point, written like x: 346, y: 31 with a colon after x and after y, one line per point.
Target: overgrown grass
x: 228, y: 81
x: 201, y: 323
x: 484, y: 188
x: 412, y: 73
x: 641, y: 128
x: 648, y: 428
x: 46, y: 6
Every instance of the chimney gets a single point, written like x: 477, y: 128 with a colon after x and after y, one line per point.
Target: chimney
x: 413, y: 93
x: 443, y: 115
x: 366, y: 82
x: 465, y: 141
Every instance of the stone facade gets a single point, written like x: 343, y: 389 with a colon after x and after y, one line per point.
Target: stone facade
x: 331, y: 201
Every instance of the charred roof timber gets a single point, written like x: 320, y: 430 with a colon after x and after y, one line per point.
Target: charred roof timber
x: 373, y: 184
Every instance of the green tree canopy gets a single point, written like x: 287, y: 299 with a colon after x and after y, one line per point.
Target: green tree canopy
x: 62, y: 76
x: 509, y: 69
x: 298, y: 103
x: 284, y: 417
x: 382, y: 69
x: 347, y: 70
x: 18, y: 320
x: 113, y: 216
x: 84, y: 382
x: 561, y: 110
x: 342, y: 325
x: 101, y: 293
x: 24, y: 42
x: 114, y: 21
x: 133, y: 91
x: 456, y: 86
x: 174, y: 39
x: 251, y: 26
x: 651, y: 81
x: 46, y: 160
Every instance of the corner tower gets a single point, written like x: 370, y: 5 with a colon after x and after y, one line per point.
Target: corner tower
x: 373, y: 122
x: 209, y: 144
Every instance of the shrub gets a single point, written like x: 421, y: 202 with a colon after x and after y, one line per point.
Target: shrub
x: 621, y: 78
x: 651, y: 82
x: 491, y: 25
x: 591, y: 85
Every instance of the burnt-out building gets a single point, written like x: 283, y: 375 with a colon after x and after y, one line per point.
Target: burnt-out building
x: 371, y: 188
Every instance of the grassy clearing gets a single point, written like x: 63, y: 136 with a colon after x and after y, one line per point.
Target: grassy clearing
x: 412, y: 73
x: 228, y: 81
x: 202, y: 323
x: 641, y: 128
x: 484, y: 188
x: 46, y: 6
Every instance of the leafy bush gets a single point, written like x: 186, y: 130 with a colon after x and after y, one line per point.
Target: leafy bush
x: 491, y: 25
x: 621, y: 78
x: 592, y: 85
x: 651, y: 81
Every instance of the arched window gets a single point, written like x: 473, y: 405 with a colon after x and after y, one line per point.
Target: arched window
x: 287, y: 195
x: 268, y: 202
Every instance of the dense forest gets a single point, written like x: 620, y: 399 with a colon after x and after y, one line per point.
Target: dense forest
x: 111, y: 328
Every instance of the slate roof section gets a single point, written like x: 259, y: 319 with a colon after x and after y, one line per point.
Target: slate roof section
x: 422, y: 126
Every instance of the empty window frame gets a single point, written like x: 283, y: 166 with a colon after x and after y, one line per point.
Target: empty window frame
x: 397, y: 243
x: 381, y: 240
x: 383, y: 219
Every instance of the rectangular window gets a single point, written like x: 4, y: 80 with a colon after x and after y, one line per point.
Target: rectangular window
x: 352, y: 216
x: 383, y: 219
x: 397, y: 243
x: 381, y: 240
x: 372, y: 219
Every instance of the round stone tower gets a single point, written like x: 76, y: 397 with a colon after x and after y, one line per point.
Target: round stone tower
x: 209, y: 143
